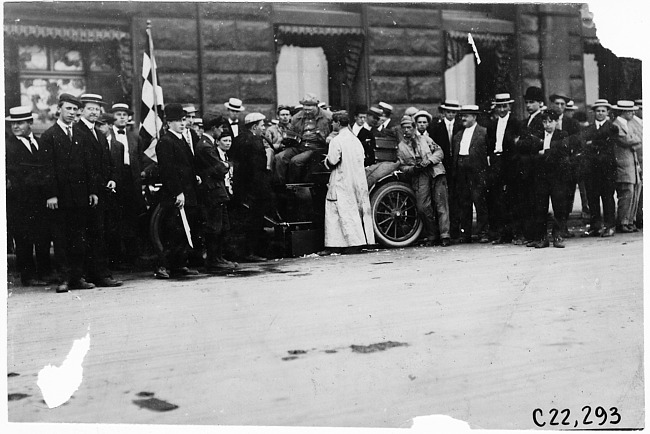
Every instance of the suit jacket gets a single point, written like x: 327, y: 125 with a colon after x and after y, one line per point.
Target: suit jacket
x: 438, y: 132
x: 570, y: 125
x: 477, y: 150
x: 599, y: 149
x: 135, y: 156
x: 212, y: 170
x: 630, y: 135
x: 367, y: 139
x: 535, y: 128
x: 502, y: 167
x: 555, y: 161
x: 101, y: 161
x: 177, y: 169
x: 26, y: 175
x: 70, y: 176
x: 251, y: 181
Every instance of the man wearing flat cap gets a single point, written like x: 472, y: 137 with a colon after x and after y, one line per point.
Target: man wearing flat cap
x: 469, y: 150
x: 89, y: 136
x: 252, y: 184
x: 71, y: 192
x: 27, y: 218
x: 421, y: 158
x: 178, y: 193
x: 501, y: 146
x: 126, y: 152
x: 312, y: 126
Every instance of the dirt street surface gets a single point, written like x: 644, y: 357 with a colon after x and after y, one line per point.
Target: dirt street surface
x: 485, y: 334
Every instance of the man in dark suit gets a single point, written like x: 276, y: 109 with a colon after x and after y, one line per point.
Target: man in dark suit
x: 551, y: 172
x: 126, y: 154
x: 558, y: 103
x: 71, y: 191
x: 470, y: 165
x: 600, y: 170
x: 362, y: 130
x: 252, y: 184
x: 385, y: 125
x: 501, y: 143
x: 26, y: 198
x: 178, y: 193
x: 235, y: 107
x: 104, y: 171
x: 213, y: 167
x: 442, y: 132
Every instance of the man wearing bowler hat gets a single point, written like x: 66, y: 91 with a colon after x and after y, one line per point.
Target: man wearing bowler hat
x: 126, y: 152
x: 71, y: 192
x: 235, y: 107
x: 501, y: 134
x: 97, y: 270
x: 26, y: 198
x: 469, y: 150
x: 178, y: 194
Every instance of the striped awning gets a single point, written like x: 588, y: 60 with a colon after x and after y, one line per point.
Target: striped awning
x: 317, y: 30
x: 65, y: 33
x: 483, y: 37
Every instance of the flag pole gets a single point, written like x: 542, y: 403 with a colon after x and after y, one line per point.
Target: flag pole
x: 154, y: 76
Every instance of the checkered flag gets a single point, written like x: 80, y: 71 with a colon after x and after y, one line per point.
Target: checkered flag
x: 152, y: 102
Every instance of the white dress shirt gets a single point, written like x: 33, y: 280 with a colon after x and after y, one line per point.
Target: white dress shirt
x: 228, y: 177
x: 547, y: 140
x: 466, y: 140
x: 67, y: 129
x: 27, y: 142
x: 234, y: 127
x: 123, y: 140
x: 501, y: 131
x: 450, y: 128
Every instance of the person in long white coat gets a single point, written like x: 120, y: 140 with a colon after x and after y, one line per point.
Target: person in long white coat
x: 348, y: 219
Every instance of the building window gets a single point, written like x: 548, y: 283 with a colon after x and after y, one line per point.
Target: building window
x: 46, y: 70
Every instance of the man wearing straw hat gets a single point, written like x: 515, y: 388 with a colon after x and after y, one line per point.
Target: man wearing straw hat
x: 71, y: 192
x: 628, y: 174
x: 126, y: 151
x: 235, y: 107
x: 600, y: 170
x: 502, y: 133
x: 104, y: 168
x: 26, y: 198
x: 469, y: 150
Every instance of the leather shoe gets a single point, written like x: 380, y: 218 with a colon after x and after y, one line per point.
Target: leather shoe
x: 226, y: 263
x: 608, y: 232
x: 62, y: 288
x: 632, y: 228
x: 626, y: 229
x: 541, y: 244
x: 161, y: 273
x: 81, y: 284
x: 108, y: 282
x: 33, y: 282
x: 446, y: 242
x: 557, y: 242
x: 184, y: 271
x: 590, y: 233
x: 255, y: 258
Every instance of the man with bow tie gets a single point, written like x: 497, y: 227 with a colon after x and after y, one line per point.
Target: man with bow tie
x: 102, y: 165
x: 71, y: 192
x: 235, y: 107
x: 26, y: 198
x: 126, y: 151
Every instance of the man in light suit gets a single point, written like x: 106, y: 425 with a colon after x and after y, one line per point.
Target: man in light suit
x: 71, y: 193
x: 628, y: 175
x: 470, y: 165
x: 26, y: 198
x: 126, y: 152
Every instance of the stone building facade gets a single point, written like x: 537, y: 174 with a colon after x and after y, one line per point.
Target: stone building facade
x: 208, y: 52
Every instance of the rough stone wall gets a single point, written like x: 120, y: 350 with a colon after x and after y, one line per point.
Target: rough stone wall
x: 529, y: 47
x: 406, y: 57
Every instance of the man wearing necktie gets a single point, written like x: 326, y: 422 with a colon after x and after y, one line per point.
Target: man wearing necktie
x: 122, y: 234
x: 600, y: 170
x: 97, y: 270
x: 234, y: 106
x: 71, y: 192
x: 26, y: 198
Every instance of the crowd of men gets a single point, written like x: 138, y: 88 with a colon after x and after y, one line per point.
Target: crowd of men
x: 79, y: 186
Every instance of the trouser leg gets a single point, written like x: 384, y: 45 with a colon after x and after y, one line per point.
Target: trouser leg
x: 441, y: 201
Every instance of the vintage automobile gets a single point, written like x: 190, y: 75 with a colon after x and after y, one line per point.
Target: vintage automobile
x: 298, y: 221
